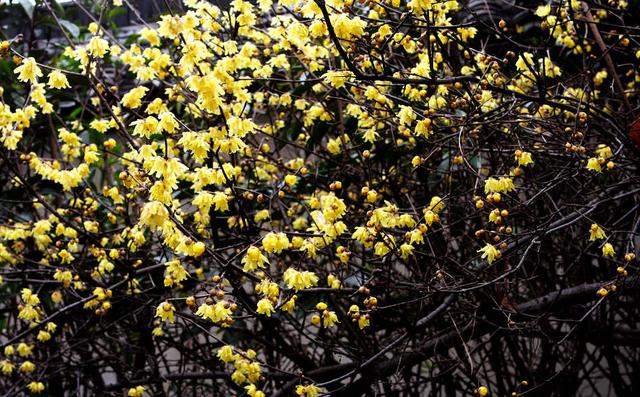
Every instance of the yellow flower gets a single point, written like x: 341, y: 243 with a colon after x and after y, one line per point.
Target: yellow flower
x: 431, y: 217
x: 57, y: 80
x: 226, y: 354
x: 290, y: 305
x: 406, y: 250
x: 482, y: 391
x: 218, y: 312
x: 24, y: 350
x: 523, y: 158
x: 154, y: 214
x: 275, y: 243
x: 524, y: 62
x: 593, y: 164
x: 100, y: 125
x: 604, y: 151
x: 338, y: 78
x: 165, y: 311
x: 423, y: 128
x: 56, y: 296
x: 268, y: 288
x: 607, y: 250
x: 308, y: 391
x: 290, y: 180
x: 28, y: 71
x: 329, y: 318
x: 145, y: 127
x: 174, y: 273
x: 543, y: 11
x: 334, y: 146
x: 43, y: 336
x: 253, y: 259
x: 7, y: 367
x: 137, y: 391
x: 133, y: 98
x: 253, y: 391
x: 168, y: 122
x: 27, y: 366
x: 436, y: 204
x: 299, y: 280
x: 490, y: 252
x: 347, y: 28
x: 333, y: 281
x: 502, y: 185
x: 29, y: 297
x: 51, y: 327
x: 265, y: 307
x: 36, y: 387
x: 221, y: 201
x: 596, y: 233
x: 98, y: 46
x: 264, y: 214
x: 382, y: 248
x: 363, y: 321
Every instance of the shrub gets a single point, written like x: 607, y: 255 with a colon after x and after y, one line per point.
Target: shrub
x: 350, y: 198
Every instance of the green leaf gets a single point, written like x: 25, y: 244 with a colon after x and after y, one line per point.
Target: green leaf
x: 114, y: 12
x: 70, y: 27
x: 28, y: 6
x: 58, y: 8
x: 75, y: 113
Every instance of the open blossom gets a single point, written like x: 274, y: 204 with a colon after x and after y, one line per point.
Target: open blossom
x: 36, y: 387
x: 235, y: 168
x: 347, y: 28
x: 98, y: 46
x: 254, y: 259
x: 166, y: 312
x: 275, y: 243
x: 308, y: 391
x: 594, y: 164
x: 501, y: 185
x: 27, y: 367
x: 137, y: 391
x: 154, y: 214
x: 290, y: 180
x: 436, y: 204
x: 7, y: 367
x: 133, y: 98
x: 265, y: 307
x: 226, y: 354
x: 299, y: 280
x: 490, y: 253
x: 57, y: 79
x: 596, y: 233
x: 28, y: 71
x: 607, y: 250
x: 329, y: 318
x: 543, y: 11
x: 338, y: 78
x: 523, y: 158
x: 218, y: 312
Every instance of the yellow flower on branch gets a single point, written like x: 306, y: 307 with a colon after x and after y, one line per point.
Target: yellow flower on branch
x: 166, y: 312
x: 596, y: 233
x: 28, y: 71
x: 265, y: 307
x: 57, y: 80
x: 607, y: 250
x: 490, y: 253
